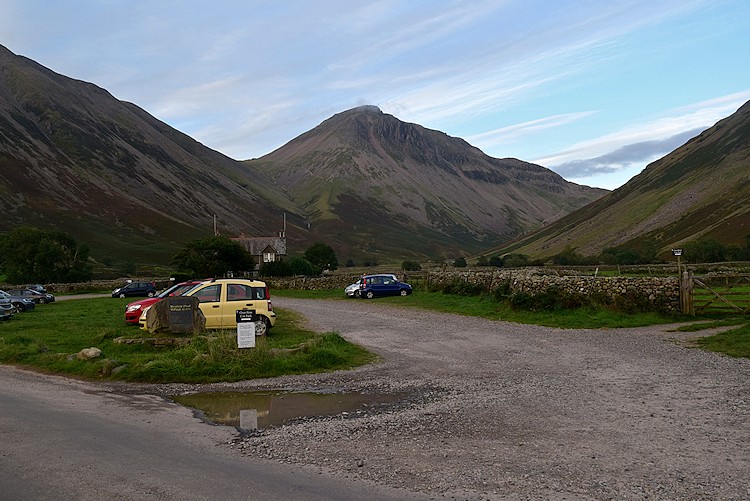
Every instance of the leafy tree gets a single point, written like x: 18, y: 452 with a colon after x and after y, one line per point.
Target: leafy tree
x: 276, y: 269
x: 516, y: 260
x: 708, y: 250
x: 301, y: 266
x: 411, y: 266
x: 482, y: 261
x: 46, y: 256
x: 322, y: 256
x: 568, y: 257
x: 349, y: 263
x: 212, y: 257
x: 497, y: 261
x: 459, y: 262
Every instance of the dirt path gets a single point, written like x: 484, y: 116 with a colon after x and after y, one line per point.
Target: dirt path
x: 500, y: 410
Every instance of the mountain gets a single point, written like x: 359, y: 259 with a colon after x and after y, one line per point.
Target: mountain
x: 378, y: 186
x: 74, y: 158
x: 702, y: 189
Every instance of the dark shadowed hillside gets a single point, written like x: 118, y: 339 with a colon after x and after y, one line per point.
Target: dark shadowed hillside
x: 72, y: 157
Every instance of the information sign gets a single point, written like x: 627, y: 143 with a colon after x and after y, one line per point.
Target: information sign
x: 245, y: 328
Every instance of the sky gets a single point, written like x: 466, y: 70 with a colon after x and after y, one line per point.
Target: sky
x: 594, y: 90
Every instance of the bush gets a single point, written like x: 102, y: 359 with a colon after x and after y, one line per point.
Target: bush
x: 462, y: 288
x: 411, y: 266
x: 276, y: 269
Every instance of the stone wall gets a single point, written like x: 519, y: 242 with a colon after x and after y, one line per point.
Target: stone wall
x: 661, y: 293
x: 94, y: 285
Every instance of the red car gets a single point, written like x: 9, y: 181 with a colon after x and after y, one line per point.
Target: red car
x: 133, y: 310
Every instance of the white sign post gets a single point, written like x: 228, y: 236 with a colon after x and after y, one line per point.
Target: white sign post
x: 245, y: 329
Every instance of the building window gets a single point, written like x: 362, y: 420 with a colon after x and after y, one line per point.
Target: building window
x: 269, y: 257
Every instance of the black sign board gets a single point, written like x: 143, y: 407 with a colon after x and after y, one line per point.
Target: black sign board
x: 180, y: 313
x: 246, y: 316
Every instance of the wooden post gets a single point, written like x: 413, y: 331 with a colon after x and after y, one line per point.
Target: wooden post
x: 687, y: 305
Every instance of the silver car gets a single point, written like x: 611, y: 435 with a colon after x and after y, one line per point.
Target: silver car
x: 6, y: 309
x: 353, y: 289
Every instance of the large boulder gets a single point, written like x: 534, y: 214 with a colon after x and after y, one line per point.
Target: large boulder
x: 177, y: 315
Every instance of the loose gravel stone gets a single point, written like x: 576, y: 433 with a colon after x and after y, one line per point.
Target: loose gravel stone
x: 495, y: 410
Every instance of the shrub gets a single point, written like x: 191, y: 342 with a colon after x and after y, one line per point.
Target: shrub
x: 462, y: 288
x: 411, y: 266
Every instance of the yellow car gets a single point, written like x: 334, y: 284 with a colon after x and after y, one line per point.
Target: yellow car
x: 221, y: 298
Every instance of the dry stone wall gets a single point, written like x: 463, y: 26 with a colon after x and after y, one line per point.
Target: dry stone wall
x: 661, y: 293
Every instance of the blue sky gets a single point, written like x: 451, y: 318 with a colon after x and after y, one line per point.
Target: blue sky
x: 592, y: 89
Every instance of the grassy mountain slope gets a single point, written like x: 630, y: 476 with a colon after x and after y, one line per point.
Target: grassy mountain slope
x: 74, y: 158
x: 378, y: 185
x: 701, y: 189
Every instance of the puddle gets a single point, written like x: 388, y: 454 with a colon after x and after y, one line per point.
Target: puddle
x: 252, y: 410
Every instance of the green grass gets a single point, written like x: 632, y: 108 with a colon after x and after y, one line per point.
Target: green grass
x: 483, y: 306
x: 734, y: 342
x: 48, y: 338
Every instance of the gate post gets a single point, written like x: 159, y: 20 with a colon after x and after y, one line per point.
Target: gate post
x: 687, y: 305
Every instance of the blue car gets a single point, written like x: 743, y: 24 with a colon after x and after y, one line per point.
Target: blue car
x: 382, y: 285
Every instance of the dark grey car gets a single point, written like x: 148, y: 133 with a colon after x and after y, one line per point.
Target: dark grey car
x: 20, y: 303
x: 36, y: 296
x: 7, y: 309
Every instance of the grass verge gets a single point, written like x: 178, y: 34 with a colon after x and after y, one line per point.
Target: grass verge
x: 486, y: 307
x: 49, y: 337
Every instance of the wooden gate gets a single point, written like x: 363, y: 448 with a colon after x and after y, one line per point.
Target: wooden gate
x: 715, y: 294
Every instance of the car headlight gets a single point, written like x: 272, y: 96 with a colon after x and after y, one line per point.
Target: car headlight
x: 133, y: 308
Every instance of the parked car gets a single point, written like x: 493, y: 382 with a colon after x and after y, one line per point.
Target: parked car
x: 37, y: 287
x: 133, y: 310
x: 20, y: 303
x: 135, y: 289
x: 382, y: 285
x: 36, y: 296
x: 353, y: 289
x: 7, y: 310
x: 221, y: 298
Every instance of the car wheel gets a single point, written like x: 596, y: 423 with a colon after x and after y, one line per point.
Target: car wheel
x: 357, y: 294
x: 121, y: 295
x: 369, y: 294
x: 42, y: 301
x: 150, y: 294
x: 20, y: 308
x: 262, y: 327
x: 404, y: 292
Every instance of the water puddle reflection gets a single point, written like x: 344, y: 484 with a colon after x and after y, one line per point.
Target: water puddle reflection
x: 252, y: 410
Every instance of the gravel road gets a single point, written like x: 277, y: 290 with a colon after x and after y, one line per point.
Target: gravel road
x: 497, y: 410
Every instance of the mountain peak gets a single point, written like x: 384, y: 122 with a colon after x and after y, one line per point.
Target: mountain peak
x: 367, y: 108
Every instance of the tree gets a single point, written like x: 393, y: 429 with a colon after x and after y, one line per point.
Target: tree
x: 459, y: 262
x: 45, y: 256
x: 322, y: 256
x: 411, y: 266
x: 212, y: 257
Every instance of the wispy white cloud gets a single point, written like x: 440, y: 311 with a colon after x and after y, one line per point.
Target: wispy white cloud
x: 676, y: 122
x: 515, y: 132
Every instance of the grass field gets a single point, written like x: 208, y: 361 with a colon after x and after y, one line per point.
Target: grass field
x: 49, y: 337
